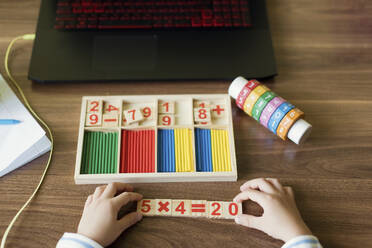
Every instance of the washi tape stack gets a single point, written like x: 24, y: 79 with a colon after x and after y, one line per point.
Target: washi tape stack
x: 275, y: 113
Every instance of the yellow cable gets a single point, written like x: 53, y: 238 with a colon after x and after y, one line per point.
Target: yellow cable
x: 27, y: 104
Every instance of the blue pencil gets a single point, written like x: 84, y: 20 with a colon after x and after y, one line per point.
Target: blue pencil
x: 9, y: 122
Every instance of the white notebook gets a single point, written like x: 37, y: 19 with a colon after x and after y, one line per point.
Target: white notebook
x: 19, y: 143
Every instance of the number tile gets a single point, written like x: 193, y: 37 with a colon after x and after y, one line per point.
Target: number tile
x: 167, y: 120
x: 166, y: 107
x: 148, y: 113
x: 202, y: 114
x: 111, y: 107
x: 231, y: 210
x: 93, y: 120
x: 94, y: 106
x: 146, y: 207
x: 133, y: 115
x: 215, y: 209
x: 181, y: 208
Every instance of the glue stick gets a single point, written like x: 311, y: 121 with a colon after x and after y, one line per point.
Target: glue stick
x: 269, y: 109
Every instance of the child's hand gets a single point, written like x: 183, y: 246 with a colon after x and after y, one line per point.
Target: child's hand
x: 281, y: 218
x: 99, y: 221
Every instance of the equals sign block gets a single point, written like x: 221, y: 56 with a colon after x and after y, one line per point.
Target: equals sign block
x: 199, y: 208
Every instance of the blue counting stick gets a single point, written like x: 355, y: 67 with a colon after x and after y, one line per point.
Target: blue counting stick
x: 160, y: 148
x: 172, y: 157
x: 198, y: 150
x: 209, y: 150
x: 278, y: 115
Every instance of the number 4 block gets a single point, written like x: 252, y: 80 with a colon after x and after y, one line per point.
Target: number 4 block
x: 181, y: 208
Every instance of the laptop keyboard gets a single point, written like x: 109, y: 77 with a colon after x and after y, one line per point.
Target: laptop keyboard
x: 150, y: 14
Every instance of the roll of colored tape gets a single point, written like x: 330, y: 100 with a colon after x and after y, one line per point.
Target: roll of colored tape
x: 278, y: 115
x: 261, y: 104
x: 245, y: 92
x: 269, y: 110
x: 253, y: 97
x: 287, y: 122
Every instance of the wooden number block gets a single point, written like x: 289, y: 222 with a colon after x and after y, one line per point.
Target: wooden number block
x: 133, y: 124
x: 94, y: 106
x: 202, y: 104
x: 231, y: 210
x: 181, y: 208
x: 111, y: 107
x: 93, y: 119
x: 133, y: 115
x: 148, y: 112
x: 218, y: 111
x: 215, y: 209
x: 202, y: 114
x: 166, y: 107
x: 199, y: 208
x: 163, y: 207
x: 110, y: 120
x: 167, y: 120
x: 146, y: 207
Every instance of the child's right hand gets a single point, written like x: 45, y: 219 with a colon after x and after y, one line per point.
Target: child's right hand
x: 281, y: 218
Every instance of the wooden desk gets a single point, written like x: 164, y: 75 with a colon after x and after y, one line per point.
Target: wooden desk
x: 323, y: 52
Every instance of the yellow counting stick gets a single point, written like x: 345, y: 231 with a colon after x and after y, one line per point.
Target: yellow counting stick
x: 220, y: 150
x: 183, y: 150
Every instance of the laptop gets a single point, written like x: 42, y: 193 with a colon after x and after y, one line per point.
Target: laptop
x: 112, y: 40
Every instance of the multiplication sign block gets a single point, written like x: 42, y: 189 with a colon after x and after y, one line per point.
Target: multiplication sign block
x: 163, y: 207
x: 146, y: 207
x: 181, y: 208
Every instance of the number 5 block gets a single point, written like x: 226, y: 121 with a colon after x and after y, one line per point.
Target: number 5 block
x: 147, y: 207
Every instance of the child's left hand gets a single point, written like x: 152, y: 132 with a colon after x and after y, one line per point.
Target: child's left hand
x: 99, y: 220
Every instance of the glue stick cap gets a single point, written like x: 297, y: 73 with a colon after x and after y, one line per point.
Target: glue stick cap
x: 299, y: 132
x: 236, y: 86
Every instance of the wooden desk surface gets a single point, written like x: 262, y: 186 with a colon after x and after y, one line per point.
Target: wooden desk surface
x: 324, y: 56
